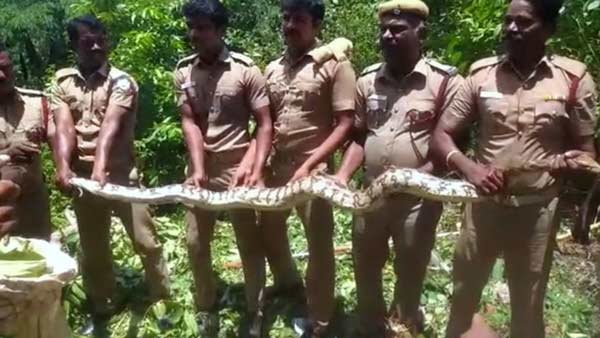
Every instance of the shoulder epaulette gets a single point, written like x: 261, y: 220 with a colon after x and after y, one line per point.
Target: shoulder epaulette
x: 186, y: 60
x: 31, y: 92
x: 371, y: 69
x: 116, y: 74
x: 449, y: 70
x: 66, y: 72
x: 570, y: 66
x: 484, y: 63
x: 273, y: 64
x: 120, y: 79
x: 241, y: 58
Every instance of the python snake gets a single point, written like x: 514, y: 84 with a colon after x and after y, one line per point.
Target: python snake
x: 392, y: 181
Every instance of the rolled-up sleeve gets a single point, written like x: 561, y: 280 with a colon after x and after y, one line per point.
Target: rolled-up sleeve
x: 582, y: 117
x: 461, y: 109
x: 256, y: 88
x: 344, y: 87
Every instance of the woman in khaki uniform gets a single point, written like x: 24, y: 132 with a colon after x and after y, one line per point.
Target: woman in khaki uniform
x: 397, y: 105
x: 23, y: 130
x: 530, y: 107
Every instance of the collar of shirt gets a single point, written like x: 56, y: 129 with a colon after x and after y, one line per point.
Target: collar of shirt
x: 542, y: 66
x: 103, y: 72
x: 224, y: 57
x: 309, y: 53
x: 420, y: 70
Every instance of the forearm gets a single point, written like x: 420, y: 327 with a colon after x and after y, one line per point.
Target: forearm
x: 353, y: 159
x: 64, y: 146
x: 194, y: 141
x: 106, y: 138
x: 331, y: 143
x: 445, y: 149
x: 588, y: 145
x: 262, y: 146
x: 427, y: 167
x: 248, y: 159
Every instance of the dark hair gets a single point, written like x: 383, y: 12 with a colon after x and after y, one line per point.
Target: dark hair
x: 212, y: 9
x: 316, y: 8
x: 547, y: 10
x: 89, y: 21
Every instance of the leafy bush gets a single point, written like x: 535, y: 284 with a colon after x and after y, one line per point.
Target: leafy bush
x: 148, y: 37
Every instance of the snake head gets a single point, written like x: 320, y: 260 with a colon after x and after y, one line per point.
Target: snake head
x: 339, y: 49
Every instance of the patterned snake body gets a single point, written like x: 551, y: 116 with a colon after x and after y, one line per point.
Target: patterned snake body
x: 393, y: 181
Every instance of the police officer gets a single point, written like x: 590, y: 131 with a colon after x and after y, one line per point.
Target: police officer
x: 218, y: 91
x: 95, y: 112
x: 23, y: 129
x: 530, y: 106
x: 312, y: 101
x: 397, y: 105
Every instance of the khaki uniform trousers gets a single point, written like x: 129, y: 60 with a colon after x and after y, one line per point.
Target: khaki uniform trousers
x: 525, y: 237
x: 33, y: 207
x: 317, y: 218
x: 200, y: 232
x: 411, y: 223
x: 93, y: 215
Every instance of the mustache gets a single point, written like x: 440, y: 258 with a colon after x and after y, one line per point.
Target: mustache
x: 513, y: 36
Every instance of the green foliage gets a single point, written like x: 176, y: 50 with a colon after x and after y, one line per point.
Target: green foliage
x: 148, y: 37
x: 570, y: 307
x: 33, y: 32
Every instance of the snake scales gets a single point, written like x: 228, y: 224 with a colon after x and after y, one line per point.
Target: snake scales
x: 392, y: 181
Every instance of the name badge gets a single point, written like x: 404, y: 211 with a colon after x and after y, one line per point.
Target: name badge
x: 555, y: 98
x: 376, y: 102
x: 187, y: 85
x: 484, y: 94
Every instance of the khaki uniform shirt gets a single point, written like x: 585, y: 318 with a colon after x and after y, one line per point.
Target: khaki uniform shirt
x: 399, y: 116
x: 304, y: 95
x: 227, y: 92
x: 524, y: 119
x: 88, y: 100
x: 25, y: 119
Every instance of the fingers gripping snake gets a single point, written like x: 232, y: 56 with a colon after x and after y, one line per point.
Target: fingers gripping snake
x: 392, y: 181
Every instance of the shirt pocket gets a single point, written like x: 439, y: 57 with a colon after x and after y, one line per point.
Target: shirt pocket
x: 377, y: 112
x: 31, y: 127
x: 495, y: 113
x: 421, y: 116
x: 276, y: 90
x: 100, y: 103
x: 548, y: 113
x: 229, y: 102
x: 75, y: 106
x: 310, y: 93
